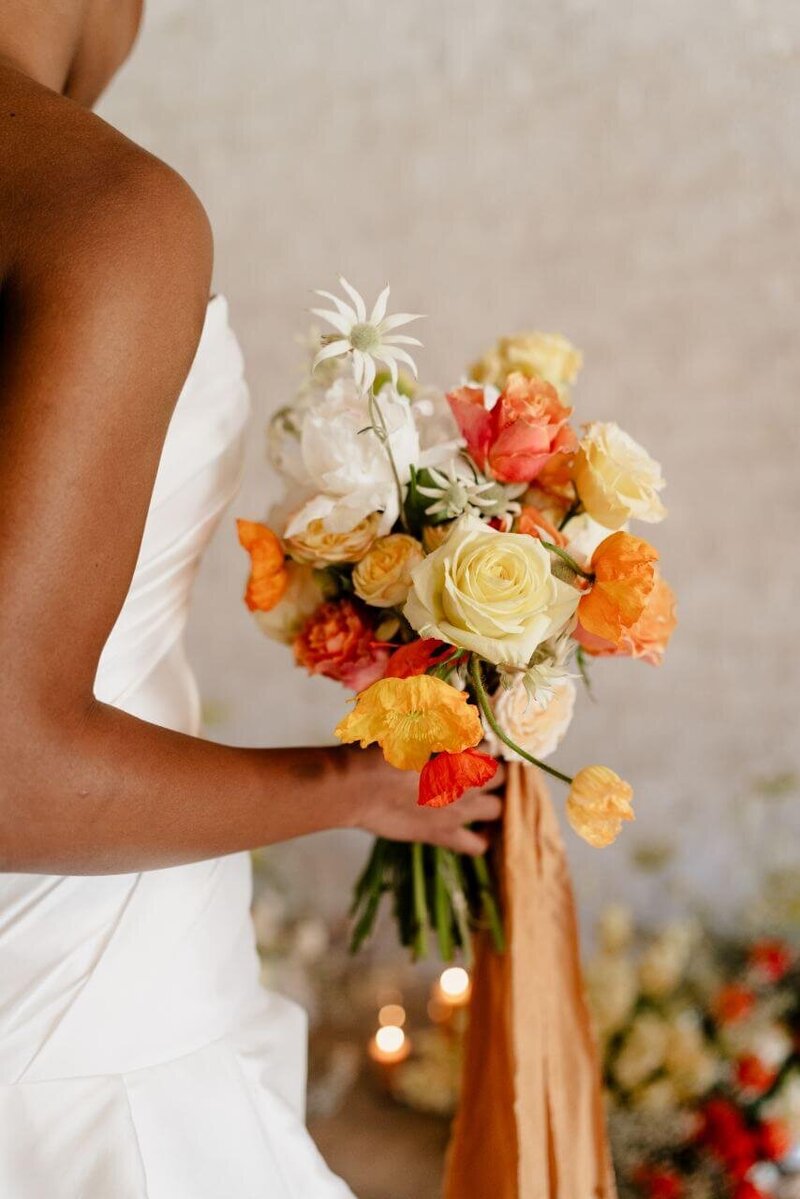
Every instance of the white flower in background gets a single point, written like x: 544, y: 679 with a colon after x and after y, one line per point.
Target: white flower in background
x: 612, y: 991
x: 643, y: 1052
x: 368, y: 340
x: 615, y: 928
x: 658, y: 1096
x: 349, y: 462
x: 784, y: 1105
x: 662, y: 965
x: 537, y: 728
x: 689, y: 1060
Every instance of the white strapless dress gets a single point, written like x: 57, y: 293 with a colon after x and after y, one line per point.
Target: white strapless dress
x: 139, y: 1056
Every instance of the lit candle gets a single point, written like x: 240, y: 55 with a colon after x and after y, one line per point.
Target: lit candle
x: 389, y: 1046
x: 453, y: 987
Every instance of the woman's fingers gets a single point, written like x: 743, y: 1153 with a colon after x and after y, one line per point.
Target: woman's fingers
x: 479, y: 805
x: 466, y: 840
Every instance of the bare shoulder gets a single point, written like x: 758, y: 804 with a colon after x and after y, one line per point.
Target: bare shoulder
x: 96, y: 235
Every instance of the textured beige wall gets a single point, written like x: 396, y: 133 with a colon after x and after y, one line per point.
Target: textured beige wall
x: 624, y: 172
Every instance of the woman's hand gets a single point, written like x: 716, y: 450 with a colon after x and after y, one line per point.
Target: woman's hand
x: 384, y: 802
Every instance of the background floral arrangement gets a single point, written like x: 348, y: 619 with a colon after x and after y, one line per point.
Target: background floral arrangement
x: 456, y: 559
x: 701, y: 1061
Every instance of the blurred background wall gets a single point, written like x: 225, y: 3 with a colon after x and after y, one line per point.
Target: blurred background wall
x: 626, y: 173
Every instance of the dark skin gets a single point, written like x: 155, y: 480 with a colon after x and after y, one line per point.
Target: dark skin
x: 105, y: 269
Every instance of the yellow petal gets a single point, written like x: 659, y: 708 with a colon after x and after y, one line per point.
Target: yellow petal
x: 599, y: 800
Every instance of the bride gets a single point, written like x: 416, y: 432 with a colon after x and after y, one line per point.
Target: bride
x: 138, y: 1055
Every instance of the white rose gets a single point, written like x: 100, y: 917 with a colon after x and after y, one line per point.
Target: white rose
x: 615, y: 477
x: 489, y: 592
x: 539, y: 727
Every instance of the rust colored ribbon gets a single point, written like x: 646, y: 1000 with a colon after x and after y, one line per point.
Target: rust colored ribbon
x: 530, y: 1122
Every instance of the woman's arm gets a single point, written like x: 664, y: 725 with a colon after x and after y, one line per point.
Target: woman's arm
x: 106, y: 259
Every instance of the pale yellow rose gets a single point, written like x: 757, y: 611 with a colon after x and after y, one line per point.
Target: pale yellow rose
x: 598, y: 802
x: 537, y: 728
x: 383, y: 576
x: 489, y: 592
x: 303, y: 596
x: 546, y: 356
x: 615, y: 477
x: 318, y: 546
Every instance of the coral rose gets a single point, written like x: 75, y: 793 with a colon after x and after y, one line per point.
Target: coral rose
x: 339, y: 641
x: 268, y: 578
x: 317, y: 546
x: 411, y: 719
x: 547, y: 356
x: 615, y: 477
x: 598, y: 802
x: 383, y: 576
x: 445, y: 777
x: 624, y: 577
x: 514, y: 439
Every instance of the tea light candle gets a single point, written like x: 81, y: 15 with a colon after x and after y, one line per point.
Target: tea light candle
x: 453, y: 987
x: 389, y: 1046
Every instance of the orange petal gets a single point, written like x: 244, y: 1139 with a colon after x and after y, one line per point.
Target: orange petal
x: 446, y: 777
x: 268, y: 576
x: 625, y: 572
x: 416, y: 658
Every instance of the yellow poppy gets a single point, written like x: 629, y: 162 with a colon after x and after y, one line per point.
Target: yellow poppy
x: 598, y: 802
x: 411, y: 719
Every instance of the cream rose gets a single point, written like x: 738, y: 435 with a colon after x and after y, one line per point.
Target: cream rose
x: 536, y: 355
x: 318, y: 546
x: 383, y: 576
x: 303, y: 596
x: 489, y: 592
x: 616, y: 479
x: 538, y: 728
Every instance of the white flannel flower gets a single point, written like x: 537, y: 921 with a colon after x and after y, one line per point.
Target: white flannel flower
x: 368, y: 340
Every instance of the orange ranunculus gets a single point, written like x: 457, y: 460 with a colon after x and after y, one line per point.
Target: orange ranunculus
x: 268, y: 578
x: 648, y: 637
x: 412, y: 719
x: 514, y: 440
x: 339, y: 641
x: 624, y: 577
x: 445, y: 777
x: 417, y: 658
x: 536, y: 524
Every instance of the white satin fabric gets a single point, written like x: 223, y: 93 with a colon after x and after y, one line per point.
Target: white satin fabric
x: 139, y: 1056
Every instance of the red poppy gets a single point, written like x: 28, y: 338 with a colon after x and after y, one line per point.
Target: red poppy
x: 417, y: 657
x: 445, y: 777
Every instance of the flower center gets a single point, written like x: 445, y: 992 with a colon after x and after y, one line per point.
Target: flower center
x: 364, y: 337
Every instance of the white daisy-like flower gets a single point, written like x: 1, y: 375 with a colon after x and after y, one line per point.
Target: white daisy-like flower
x: 369, y: 340
x: 454, y: 491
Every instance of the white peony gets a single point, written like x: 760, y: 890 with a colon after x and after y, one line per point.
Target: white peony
x: 348, y: 463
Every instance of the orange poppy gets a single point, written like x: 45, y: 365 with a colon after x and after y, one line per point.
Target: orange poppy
x: 624, y: 576
x: 446, y: 777
x: 268, y: 575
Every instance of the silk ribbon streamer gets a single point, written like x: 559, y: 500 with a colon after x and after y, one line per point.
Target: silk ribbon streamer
x: 530, y: 1123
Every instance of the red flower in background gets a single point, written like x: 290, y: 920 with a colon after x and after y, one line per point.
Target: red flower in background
x: 338, y: 641
x: 514, y: 440
x: 733, y: 1003
x: 775, y: 1140
x: 445, y: 777
x: 748, y: 1190
x: 418, y: 657
x: 657, y: 1182
x: 771, y: 959
x: 753, y: 1075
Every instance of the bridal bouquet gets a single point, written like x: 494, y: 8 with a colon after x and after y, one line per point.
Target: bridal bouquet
x: 455, y: 559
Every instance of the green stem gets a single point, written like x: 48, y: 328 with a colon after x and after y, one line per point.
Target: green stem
x: 486, y: 708
x: 575, y: 508
x: 420, y: 901
x: 488, y: 902
x: 383, y: 433
x: 454, y: 875
x: 570, y: 561
x: 444, y: 913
